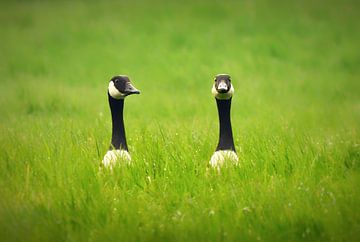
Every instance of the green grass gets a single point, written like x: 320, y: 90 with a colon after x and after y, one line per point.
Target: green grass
x: 295, y: 66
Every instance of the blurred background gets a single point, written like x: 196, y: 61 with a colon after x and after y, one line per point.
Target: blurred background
x: 289, y: 59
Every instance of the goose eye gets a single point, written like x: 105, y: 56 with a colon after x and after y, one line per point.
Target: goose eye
x: 117, y: 81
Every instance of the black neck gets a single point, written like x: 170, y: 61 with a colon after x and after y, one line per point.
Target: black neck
x: 226, y: 141
x: 118, y: 140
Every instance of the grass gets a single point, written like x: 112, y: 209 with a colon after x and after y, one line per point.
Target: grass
x: 295, y: 113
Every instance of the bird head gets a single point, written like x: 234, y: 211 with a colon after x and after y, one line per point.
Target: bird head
x: 120, y: 87
x: 222, y: 88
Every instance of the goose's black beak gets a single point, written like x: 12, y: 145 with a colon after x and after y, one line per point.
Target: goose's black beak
x: 222, y: 87
x: 130, y: 89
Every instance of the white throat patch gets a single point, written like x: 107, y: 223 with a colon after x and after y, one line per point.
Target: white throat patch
x: 223, y: 96
x: 114, y: 92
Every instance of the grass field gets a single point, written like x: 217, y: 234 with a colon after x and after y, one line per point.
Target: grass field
x: 295, y: 66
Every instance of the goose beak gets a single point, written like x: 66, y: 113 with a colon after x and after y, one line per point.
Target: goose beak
x: 130, y: 89
x: 222, y: 87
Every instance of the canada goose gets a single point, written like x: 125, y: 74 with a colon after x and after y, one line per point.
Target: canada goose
x: 223, y: 91
x: 119, y: 88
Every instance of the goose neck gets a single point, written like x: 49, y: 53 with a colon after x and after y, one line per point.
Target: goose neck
x: 118, y: 140
x: 226, y: 141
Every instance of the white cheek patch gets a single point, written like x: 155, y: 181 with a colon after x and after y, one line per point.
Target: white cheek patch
x: 114, y: 92
x: 223, y: 96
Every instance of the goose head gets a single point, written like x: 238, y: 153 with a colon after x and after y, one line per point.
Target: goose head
x: 121, y: 87
x: 222, y: 88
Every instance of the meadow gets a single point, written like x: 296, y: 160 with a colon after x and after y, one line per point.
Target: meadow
x: 295, y: 66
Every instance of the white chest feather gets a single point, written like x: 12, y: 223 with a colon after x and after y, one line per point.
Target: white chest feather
x: 114, y: 157
x: 221, y: 156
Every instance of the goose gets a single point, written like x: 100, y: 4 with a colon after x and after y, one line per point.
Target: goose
x: 119, y: 88
x: 223, y: 91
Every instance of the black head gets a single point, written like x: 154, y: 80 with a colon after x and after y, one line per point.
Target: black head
x: 222, y: 88
x: 120, y: 87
